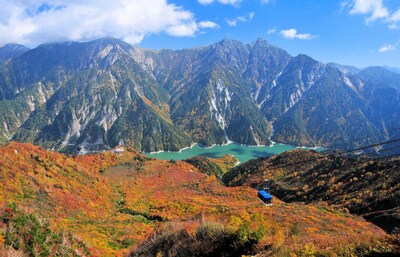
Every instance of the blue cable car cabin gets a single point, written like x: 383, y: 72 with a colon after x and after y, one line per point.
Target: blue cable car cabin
x: 265, y: 197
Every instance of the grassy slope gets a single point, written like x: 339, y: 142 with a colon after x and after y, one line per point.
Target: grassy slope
x: 114, y: 203
x: 363, y: 186
x: 213, y: 166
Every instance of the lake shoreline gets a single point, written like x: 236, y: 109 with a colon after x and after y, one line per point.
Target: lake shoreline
x: 273, y: 143
x: 241, y: 152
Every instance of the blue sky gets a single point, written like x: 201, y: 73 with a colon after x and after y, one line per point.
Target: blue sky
x: 355, y: 32
x: 336, y: 34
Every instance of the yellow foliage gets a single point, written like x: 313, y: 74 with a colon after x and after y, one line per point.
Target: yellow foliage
x: 2, y: 240
x: 133, y: 197
x: 279, y: 238
x: 235, y: 222
x: 309, y: 250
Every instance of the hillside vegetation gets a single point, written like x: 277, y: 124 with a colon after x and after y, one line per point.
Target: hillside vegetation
x: 363, y: 186
x: 26, y: 234
x: 99, y: 94
x: 213, y: 166
x: 119, y: 204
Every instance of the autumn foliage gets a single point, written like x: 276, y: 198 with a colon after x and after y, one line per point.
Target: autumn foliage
x: 117, y: 204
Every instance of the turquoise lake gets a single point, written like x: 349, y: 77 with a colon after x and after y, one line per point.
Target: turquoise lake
x: 241, y: 152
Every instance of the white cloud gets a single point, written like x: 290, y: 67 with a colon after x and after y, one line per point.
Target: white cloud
x: 386, y: 48
x: 231, y: 2
x: 271, y: 31
x: 182, y: 30
x: 394, y: 20
x: 32, y: 22
x: 205, y: 2
x: 231, y: 23
x: 208, y: 25
x: 251, y: 16
x: 234, y: 22
x: 373, y: 10
x: 241, y: 18
x: 292, y: 34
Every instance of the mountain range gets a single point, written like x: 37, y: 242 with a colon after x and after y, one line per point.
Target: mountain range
x: 95, y: 95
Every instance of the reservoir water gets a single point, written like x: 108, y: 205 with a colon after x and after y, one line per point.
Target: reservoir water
x: 241, y: 152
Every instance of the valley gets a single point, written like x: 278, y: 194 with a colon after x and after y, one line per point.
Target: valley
x: 119, y: 204
x: 92, y: 96
x: 202, y: 128
x: 77, y: 117
x: 241, y: 152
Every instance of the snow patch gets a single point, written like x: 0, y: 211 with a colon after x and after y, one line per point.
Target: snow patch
x: 31, y: 102
x: 276, y: 78
x: 315, y: 74
x: 138, y: 89
x: 263, y: 101
x: 73, y: 130
x: 361, y: 84
x: 112, y: 79
x: 255, y: 95
x: 223, y: 97
x: 42, y: 97
x: 219, y: 103
x: 295, y: 97
x: 105, y: 52
x: 5, y: 126
x: 109, y: 116
x: 347, y: 82
x: 273, y: 84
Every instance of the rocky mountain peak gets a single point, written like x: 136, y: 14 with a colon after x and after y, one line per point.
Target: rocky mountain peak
x: 106, y: 91
x: 259, y: 42
x: 11, y: 50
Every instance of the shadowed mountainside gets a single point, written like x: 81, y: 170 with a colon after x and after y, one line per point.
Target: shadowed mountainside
x: 364, y: 186
x: 99, y: 94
